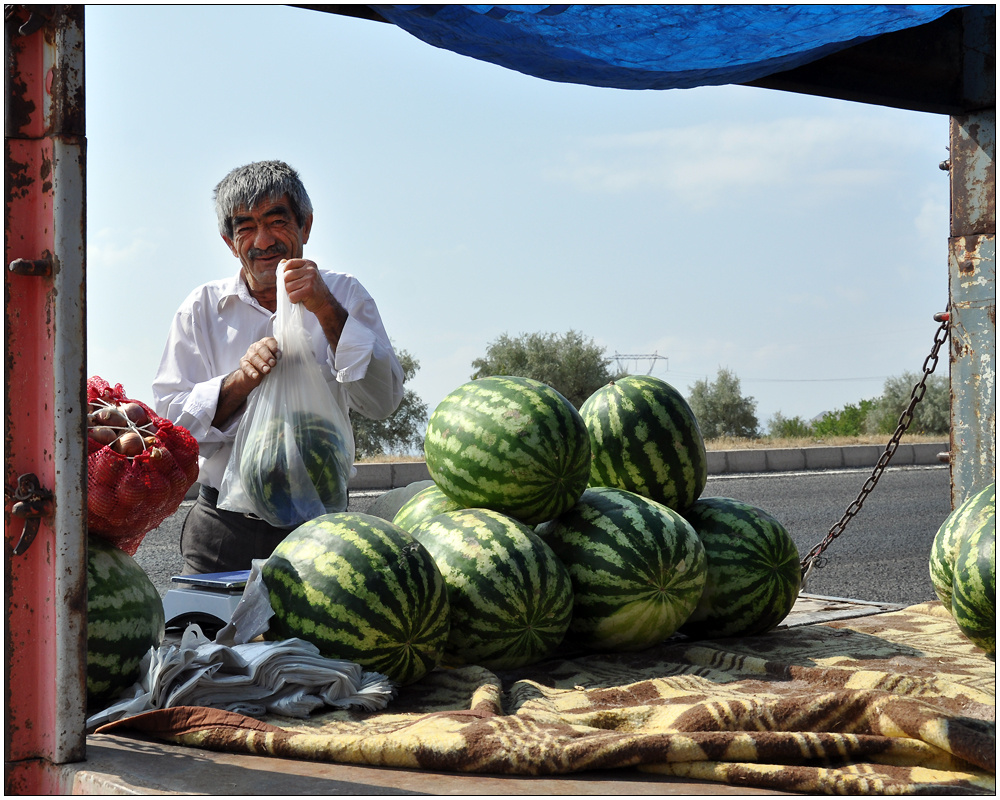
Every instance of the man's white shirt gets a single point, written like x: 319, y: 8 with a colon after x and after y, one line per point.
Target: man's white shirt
x: 216, y: 325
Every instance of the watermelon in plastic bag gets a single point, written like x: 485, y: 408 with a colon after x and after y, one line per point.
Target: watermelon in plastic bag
x: 293, y: 453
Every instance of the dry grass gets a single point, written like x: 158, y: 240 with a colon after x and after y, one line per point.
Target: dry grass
x: 386, y: 459
x: 768, y: 443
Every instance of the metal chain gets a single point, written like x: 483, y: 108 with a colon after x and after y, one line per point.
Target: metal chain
x: 814, y: 558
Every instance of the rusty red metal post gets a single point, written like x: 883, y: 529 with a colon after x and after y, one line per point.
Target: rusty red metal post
x: 45, y: 556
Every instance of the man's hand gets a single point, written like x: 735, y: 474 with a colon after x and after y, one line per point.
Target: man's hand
x: 305, y: 285
x: 259, y: 359
x: 236, y: 386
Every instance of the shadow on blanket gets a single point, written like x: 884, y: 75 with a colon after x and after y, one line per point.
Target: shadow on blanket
x: 895, y: 703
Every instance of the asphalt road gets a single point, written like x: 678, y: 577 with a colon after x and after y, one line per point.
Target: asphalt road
x: 882, y: 555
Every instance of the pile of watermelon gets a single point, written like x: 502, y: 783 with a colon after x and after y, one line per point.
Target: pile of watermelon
x: 963, y: 567
x: 544, y: 524
x: 362, y: 590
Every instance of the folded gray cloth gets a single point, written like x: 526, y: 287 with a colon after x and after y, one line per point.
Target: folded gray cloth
x: 287, y: 677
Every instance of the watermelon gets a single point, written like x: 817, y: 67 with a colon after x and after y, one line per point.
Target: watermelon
x: 124, y: 620
x: 511, y: 599
x: 977, y: 511
x: 362, y: 590
x: 645, y: 439
x: 753, y: 569
x: 513, y: 445
x: 387, y: 505
x: 295, y: 468
x: 973, y: 601
x: 637, y: 568
x: 422, y: 506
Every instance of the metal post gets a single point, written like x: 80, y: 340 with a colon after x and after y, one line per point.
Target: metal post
x: 972, y: 260
x: 972, y: 280
x: 45, y: 558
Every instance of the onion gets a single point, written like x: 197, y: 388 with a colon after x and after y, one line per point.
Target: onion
x: 129, y: 444
x: 102, y: 434
x: 136, y: 413
x: 109, y: 415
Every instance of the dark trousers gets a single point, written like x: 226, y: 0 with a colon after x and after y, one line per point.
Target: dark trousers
x: 222, y: 541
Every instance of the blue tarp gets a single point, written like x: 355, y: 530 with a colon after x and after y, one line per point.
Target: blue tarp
x: 653, y: 46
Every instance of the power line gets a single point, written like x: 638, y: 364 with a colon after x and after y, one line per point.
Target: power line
x: 788, y: 380
x: 811, y: 380
x: 622, y: 358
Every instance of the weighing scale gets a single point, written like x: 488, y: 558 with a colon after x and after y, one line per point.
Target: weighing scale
x: 208, y: 600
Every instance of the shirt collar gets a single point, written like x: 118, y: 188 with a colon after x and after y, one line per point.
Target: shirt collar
x: 236, y: 288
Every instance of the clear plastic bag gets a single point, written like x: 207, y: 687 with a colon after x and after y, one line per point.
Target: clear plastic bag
x: 294, y: 451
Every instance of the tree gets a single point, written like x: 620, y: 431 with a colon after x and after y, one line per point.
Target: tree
x: 931, y: 415
x: 782, y: 427
x: 573, y: 366
x: 851, y: 420
x: 402, y: 432
x: 722, y: 410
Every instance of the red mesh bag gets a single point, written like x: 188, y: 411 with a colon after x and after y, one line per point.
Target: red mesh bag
x: 130, y: 494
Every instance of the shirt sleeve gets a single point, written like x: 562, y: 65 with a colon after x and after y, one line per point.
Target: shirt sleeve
x: 365, y: 363
x: 185, y: 391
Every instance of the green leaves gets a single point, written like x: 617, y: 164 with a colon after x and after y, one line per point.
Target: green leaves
x: 931, y: 415
x: 848, y: 421
x: 572, y: 365
x: 878, y: 415
x: 722, y: 410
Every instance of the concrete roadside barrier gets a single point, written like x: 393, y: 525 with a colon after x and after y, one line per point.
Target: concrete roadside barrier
x: 720, y: 462
x: 794, y: 459
x: 390, y: 475
x: 372, y: 477
x: 393, y: 475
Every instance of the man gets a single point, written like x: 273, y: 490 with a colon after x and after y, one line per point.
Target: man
x: 220, y: 347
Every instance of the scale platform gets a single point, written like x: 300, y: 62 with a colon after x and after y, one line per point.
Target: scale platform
x: 208, y: 600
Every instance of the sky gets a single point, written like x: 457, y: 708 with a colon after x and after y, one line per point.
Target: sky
x: 799, y: 242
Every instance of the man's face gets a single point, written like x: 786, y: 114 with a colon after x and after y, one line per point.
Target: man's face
x: 263, y: 236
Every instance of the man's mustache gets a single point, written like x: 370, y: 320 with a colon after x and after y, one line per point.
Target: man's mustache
x: 277, y: 249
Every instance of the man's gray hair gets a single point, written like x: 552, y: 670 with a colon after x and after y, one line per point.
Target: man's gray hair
x: 248, y: 185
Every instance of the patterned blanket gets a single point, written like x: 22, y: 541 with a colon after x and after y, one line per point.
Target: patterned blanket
x: 897, y: 703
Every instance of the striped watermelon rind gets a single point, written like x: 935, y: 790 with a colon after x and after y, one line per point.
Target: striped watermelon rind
x: 124, y: 620
x: 645, y: 439
x: 513, y: 445
x: 977, y: 510
x: 754, y: 573
x: 638, y: 569
x: 974, y: 586
x: 424, y: 505
x: 363, y: 590
x: 295, y: 469
x: 511, y: 599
